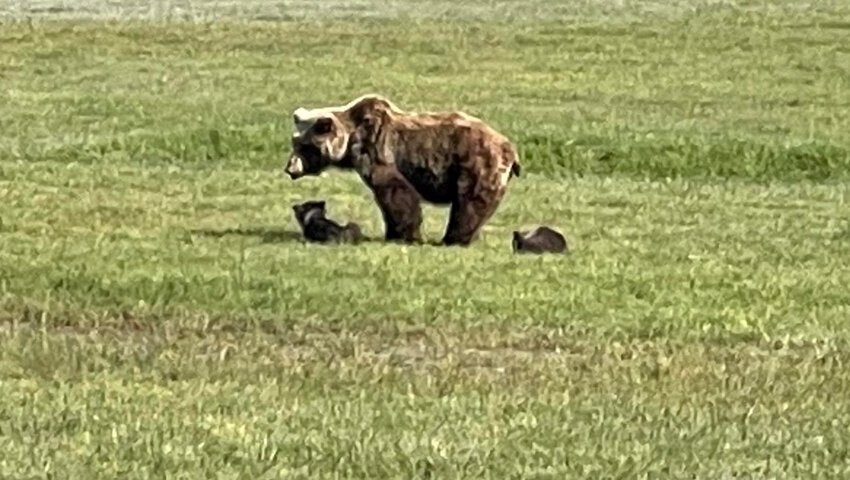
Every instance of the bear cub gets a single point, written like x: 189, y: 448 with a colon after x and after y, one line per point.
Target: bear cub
x: 318, y: 228
x: 539, y: 240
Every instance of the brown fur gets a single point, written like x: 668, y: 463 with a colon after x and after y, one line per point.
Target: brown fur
x: 317, y: 227
x: 542, y: 239
x: 403, y: 157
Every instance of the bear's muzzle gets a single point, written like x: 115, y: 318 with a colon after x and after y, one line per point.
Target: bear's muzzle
x: 295, y: 167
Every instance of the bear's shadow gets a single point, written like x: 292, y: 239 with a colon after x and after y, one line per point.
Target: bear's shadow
x: 268, y: 234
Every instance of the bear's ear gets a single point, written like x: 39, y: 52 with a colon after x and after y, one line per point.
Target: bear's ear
x: 321, y: 205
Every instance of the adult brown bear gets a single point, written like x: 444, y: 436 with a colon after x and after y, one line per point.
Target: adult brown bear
x: 405, y: 157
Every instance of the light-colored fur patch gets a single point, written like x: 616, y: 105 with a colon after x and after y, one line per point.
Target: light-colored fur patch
x: 305, y: 117
x: 295, y: 165
x: 310, y: 215
x: 531, y: 233
x: 336, y: 146
x: 504, y: 176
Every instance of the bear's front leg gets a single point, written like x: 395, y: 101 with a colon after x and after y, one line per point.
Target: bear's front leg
x: 400, y: 204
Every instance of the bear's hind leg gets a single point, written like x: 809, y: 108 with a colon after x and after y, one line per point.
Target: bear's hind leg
x: 469, y: 212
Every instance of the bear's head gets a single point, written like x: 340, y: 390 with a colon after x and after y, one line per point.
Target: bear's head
x: 326, y: 137
x: 516, y: 240
x: 320, y: 141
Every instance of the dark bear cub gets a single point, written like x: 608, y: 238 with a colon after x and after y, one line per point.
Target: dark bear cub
x: 539, y: 240
x: 318, y: 228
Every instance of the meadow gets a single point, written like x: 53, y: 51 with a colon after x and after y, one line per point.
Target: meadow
x: 161, y: 318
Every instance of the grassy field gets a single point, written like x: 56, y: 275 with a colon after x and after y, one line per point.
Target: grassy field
x: 160, y: 317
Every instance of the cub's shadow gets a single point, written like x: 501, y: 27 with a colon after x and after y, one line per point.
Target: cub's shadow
x: 266, y: 234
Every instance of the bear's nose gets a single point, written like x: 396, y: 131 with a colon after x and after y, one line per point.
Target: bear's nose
x: 295, y: 167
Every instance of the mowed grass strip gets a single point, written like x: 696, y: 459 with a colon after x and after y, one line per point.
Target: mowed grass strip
x: 411, y: 403
x: 725, y: 93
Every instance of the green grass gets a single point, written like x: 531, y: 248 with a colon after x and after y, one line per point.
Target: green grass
x: 159, y: 316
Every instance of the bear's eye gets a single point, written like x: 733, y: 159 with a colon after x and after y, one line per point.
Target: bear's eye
x: 323, y: 126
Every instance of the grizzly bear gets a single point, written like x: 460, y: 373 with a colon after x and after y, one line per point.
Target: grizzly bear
x: 447, y: 158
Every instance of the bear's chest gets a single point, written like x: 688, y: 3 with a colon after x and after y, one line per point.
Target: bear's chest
x: 434, y: 183
x: 429, y: 161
